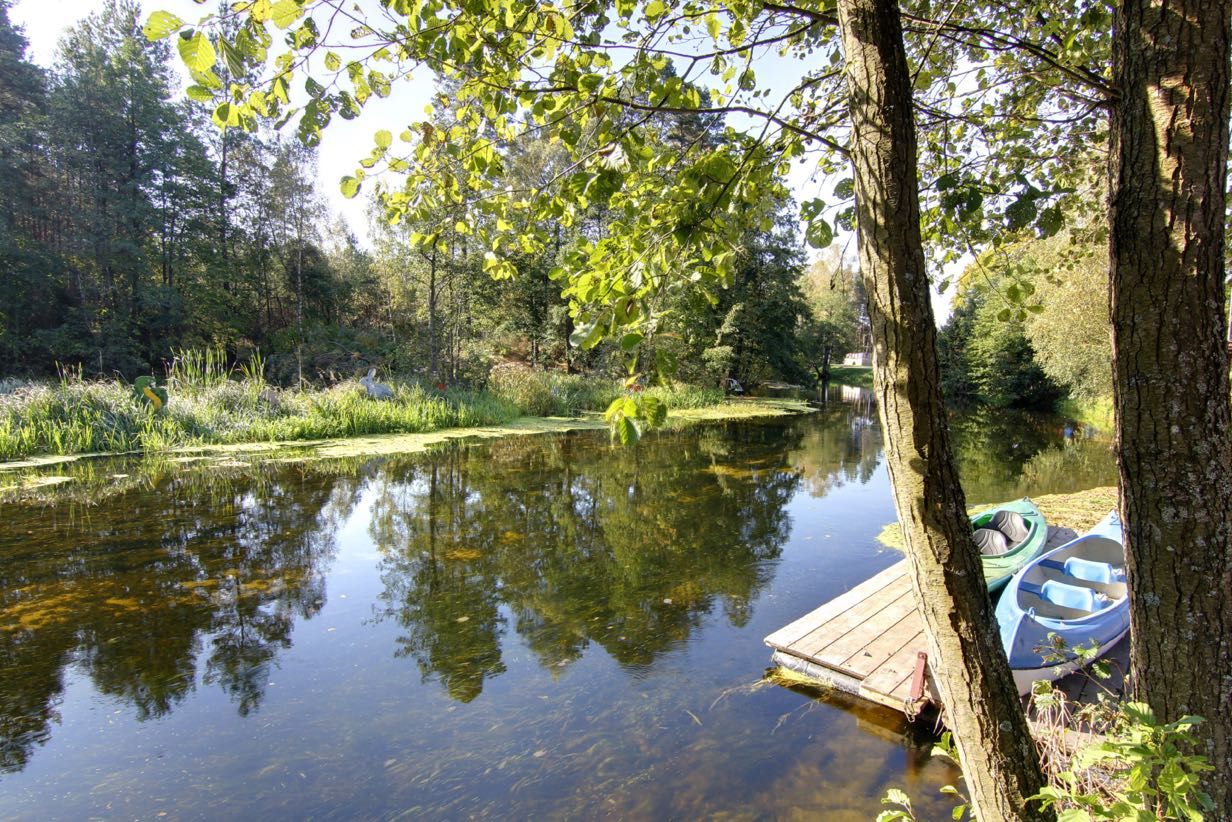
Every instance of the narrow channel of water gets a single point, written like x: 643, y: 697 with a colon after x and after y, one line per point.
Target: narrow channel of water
x: 539, y: 626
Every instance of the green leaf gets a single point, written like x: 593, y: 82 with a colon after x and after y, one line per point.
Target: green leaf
x: 893, y: 816
x: 161, y: 25
x: 631, y: 341
x: 819, y: 234
x: 384, y: 138
x: 226, y: 115
x: 284, y: 13
x: 1021, y: 212
x: 350, y: 186
x: 614, y: 409
x: 894, y: 796
x: 332, y: 61
x: 626, y: 431
x: 232, y: 58
x: 586, y: 335
x: 655, y: 10
x: 199, y: 93
x: 654, y: 411
x: 1050, y: 221
x: 196, y: 51
x: 811, y: 209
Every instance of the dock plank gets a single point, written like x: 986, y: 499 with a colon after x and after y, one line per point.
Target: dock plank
x: 838, y: 653
x: 887, y: 682
x: 793, y: 632
x: 841, y: 625
x: 866, y: 660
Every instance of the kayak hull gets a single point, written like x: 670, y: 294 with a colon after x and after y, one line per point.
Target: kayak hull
x: 1074, y: 596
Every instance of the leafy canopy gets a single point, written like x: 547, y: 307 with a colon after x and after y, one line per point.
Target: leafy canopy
x: 1009, y: 114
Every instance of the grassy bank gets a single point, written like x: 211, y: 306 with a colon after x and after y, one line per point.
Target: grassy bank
x: 1078, y: 511
x: 1099, y: 413
x: 860, y: 376
x: 49, y: 480
x: 207, y: 406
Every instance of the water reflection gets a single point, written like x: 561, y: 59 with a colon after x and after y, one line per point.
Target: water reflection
x: 145, y: 595
x: 1003, y: 454
x: 585, y: 622
x: 846, y: 447
x: 578, y: 543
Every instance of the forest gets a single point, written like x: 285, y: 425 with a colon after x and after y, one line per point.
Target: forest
x: 133, y: 228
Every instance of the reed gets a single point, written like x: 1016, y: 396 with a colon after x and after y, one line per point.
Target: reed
x: 211, y: 402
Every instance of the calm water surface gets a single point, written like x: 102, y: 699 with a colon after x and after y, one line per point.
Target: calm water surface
x: 538, y: 626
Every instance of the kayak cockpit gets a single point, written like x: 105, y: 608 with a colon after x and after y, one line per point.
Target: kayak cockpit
x: 1086, y: 578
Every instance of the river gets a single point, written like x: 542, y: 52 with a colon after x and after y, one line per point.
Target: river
x: 538, y: 626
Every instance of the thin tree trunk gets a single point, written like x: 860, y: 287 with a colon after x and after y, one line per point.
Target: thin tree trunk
x: 967, y: 661
x: 1167, y: 181
x: 299, y: 307
x: 432, y: 356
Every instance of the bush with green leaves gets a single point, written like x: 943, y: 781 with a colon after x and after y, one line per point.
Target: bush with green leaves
x: 1142, y: 769
x: 1133, y: 768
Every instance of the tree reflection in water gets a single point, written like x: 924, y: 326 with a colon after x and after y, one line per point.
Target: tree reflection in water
x: 177, y: 580
x: 578, y: 542
x: 199, y: 574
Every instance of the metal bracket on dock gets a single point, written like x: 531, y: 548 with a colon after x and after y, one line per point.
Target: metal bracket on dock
x: 917, y: 685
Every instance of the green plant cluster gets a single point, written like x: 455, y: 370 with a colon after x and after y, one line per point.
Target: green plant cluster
x: 1135, y: 768
x: 1146, y: 772
x: 211, y: 403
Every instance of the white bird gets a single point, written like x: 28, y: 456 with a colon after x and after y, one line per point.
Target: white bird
x: 376, y: 390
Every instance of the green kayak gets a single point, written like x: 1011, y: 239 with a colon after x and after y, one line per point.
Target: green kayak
x: 1008, y: 536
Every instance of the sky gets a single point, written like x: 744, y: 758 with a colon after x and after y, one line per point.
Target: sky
x: 344, y: 142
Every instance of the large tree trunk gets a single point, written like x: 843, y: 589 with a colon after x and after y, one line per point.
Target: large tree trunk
x: 1167, y: 183
x: 967, y: 661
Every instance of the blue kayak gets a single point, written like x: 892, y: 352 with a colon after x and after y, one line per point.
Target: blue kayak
x: 1077, y: 592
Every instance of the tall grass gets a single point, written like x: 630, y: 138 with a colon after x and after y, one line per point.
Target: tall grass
x: 210, y: 403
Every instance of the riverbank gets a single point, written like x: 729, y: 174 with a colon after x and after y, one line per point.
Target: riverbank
x: 860, y: 376
x: 95, y: 417
x: 84, y: 477
x: 1079, y: 511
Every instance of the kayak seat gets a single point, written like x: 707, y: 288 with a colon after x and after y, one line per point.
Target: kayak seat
x: 1087, y: 569
x: 990, y: 541
x: 1075, y: 597
x: 1012, y: 525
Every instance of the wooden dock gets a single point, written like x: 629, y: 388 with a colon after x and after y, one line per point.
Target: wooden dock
x: 867, y: 641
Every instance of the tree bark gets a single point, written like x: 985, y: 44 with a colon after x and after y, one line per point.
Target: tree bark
x: 968, y: 664
x: 1167, y: 183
